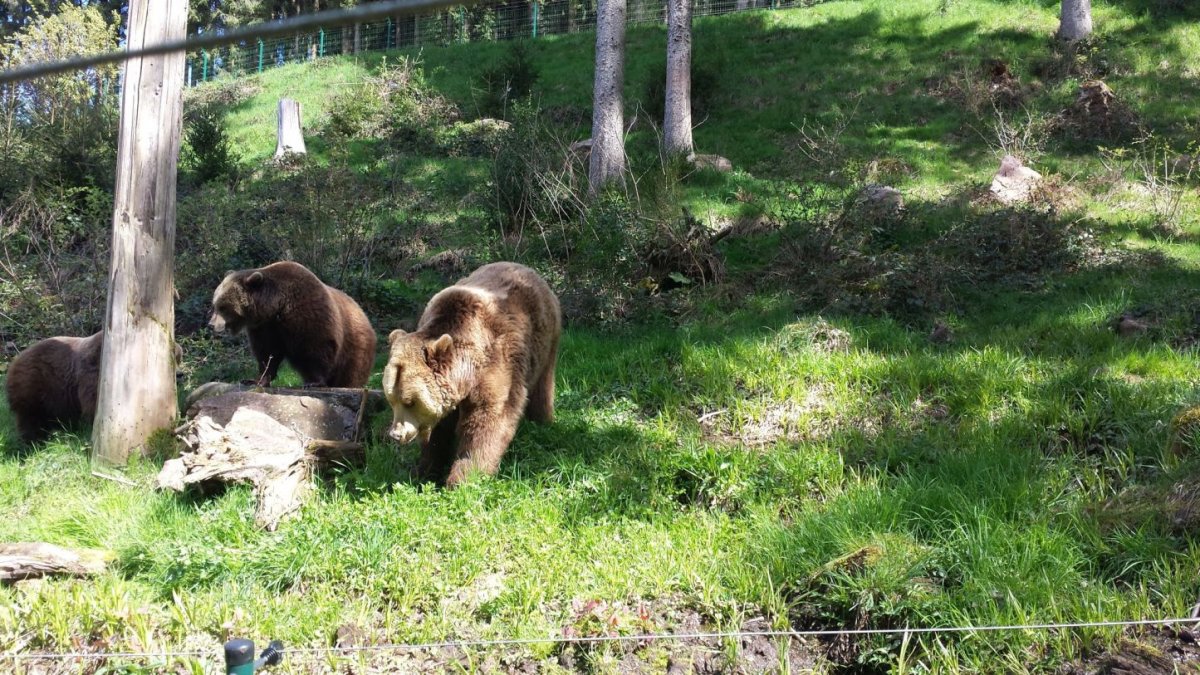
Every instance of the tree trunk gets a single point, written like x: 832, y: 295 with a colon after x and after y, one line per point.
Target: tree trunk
x: 607, y: 162
x: 677, y: 121
x: 1075, y: 21
x: 289, y: 136
x: 137, y: 365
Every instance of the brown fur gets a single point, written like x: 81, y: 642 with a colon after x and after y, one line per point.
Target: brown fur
x: 53, y: 383
x: 288, y: 313
x: 482, y: 356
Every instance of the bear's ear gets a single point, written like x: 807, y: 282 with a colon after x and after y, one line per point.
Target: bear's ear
x: 439, y: 349
x: 395, y: 335
x: 255, y: 279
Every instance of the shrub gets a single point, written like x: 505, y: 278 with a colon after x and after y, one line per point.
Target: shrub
x: 55, y: 247
x: 509, y: 81
x: 207, y: 153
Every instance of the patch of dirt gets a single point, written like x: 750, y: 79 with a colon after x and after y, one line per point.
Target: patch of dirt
x: 791, y: 421
x: 449, y: 264
x: 1098, y: 114
x: 1151, y: 652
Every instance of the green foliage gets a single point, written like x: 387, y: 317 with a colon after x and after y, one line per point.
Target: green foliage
x: 508, y: 82
x: 781, y: 444
x: 207, y: 153
x: 55, y: 245
x: 60, y: 128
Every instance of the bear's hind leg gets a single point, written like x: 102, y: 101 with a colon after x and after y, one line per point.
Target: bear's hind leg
x: 541, y: 399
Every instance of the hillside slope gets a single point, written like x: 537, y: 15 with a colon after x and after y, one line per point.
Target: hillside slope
x: 962, y: 414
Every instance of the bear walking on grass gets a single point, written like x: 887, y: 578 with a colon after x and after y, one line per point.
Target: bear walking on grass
x: 288, y: 313
x: 482, y: 356
x: 53, y: 383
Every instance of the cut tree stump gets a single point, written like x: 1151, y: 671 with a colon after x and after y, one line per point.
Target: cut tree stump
x: 273, y: 439
x: 30, y: 560
x: 289, y: 134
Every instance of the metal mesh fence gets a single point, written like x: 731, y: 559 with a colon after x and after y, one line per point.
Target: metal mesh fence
x: 484, y: 22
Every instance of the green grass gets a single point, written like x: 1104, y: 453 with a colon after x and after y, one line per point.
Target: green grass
x: 975, y: 470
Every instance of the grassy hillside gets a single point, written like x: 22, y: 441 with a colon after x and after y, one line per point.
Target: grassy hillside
x: 862, y: 421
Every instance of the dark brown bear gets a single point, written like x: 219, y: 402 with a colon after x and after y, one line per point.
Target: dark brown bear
x: 53, y: 383
x: 482, y: 356
x: 288, y: 313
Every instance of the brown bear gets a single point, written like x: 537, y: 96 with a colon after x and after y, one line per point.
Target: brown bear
x: 288, y: 313
x: 53, y: 383
x: 482, y: 356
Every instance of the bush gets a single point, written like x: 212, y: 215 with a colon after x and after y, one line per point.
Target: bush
x: 207, y: 153
x: 536, y: 180
x: 509, y: 81
x: 55, y: 244
x: 396, y: 106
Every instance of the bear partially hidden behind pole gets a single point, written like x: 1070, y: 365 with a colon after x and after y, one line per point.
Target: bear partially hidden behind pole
x: 482, y: 356
x: 288, y: 313
x: 53, y: 382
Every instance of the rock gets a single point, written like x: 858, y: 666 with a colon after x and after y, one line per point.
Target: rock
x: 880, y: 201
x: 581, y: 148
x: 941, y: 334
x: 1014, y: 182
x: 350, y: 635
x: 1128, y: 326
x: 714, y: 162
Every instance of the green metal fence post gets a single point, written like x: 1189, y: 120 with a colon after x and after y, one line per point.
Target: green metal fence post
x: 387, y: 38
x: 535, y: 17
x: 260, y: 54
x: 204, y: 68
x: 462, y: 24
x: 321, y: 42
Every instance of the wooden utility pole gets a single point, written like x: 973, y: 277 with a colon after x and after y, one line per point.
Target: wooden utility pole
x: 137, y: 365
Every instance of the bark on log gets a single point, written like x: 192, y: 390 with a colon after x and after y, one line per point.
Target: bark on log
x: 289, y: 135
x: 136, y: 395
x: 29, y: 560
x: 275, y: 441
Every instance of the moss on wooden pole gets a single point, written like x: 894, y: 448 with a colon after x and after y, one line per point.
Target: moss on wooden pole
x: 137, y: 368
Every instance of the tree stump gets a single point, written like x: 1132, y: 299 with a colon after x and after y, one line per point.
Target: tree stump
x: 29, y: 560
x: 273, y: 439
x: 289, y: 136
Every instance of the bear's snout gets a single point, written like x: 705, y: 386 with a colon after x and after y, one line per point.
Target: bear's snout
x: 217, y: 323
x: 402, y: 432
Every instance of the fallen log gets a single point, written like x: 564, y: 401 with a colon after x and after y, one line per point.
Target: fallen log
x: 29, y: 560
x: 276, y: 440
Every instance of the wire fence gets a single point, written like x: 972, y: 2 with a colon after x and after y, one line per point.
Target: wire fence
x: 483, y: 22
